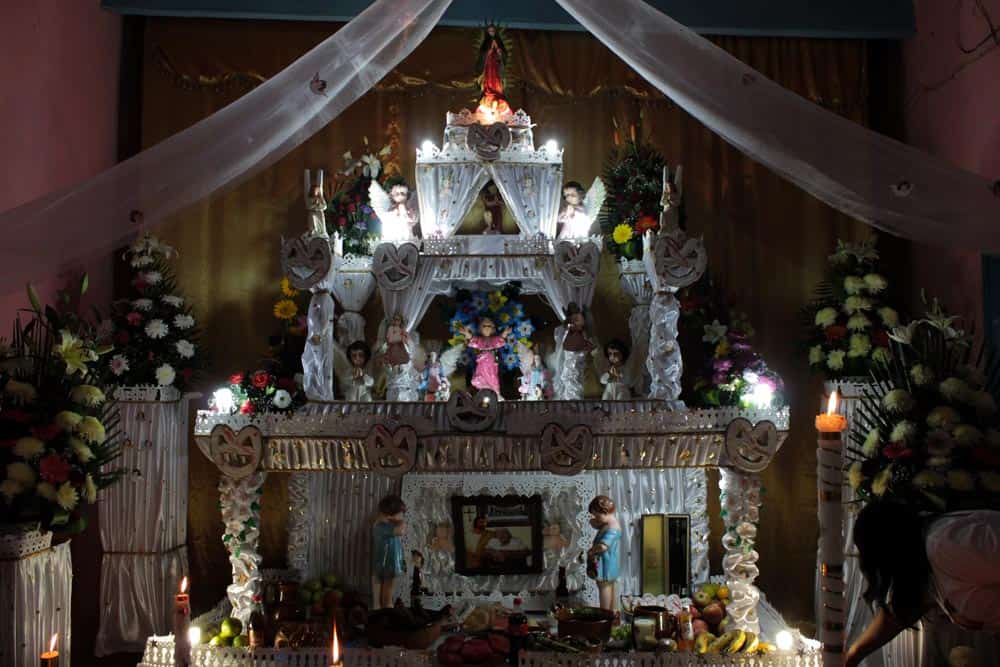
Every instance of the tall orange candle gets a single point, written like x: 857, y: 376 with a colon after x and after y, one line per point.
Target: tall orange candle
x: 831, y: 422
x: 50, y: 658
x: 335, y: 649
x: 182, y: 618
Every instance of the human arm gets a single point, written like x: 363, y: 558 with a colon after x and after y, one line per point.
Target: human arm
x: 879, y: 632
x: 399, y: 528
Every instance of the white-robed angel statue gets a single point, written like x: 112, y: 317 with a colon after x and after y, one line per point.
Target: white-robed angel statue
x: 435, y: 387
x: 396, y: 210
x: 353, y: 372
x: 580, y: 209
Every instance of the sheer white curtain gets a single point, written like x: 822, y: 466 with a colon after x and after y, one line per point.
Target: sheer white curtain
x: 532, y: 192
x: 878, y: 180
x: 247, y: 136
x: 447, y: 191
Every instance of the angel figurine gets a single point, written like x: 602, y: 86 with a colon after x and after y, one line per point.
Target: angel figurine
x: 316, y: 205
x: 486, y: 343
x: 356, y: 381
x: 396, y: 210
x: 580, y: 208
x: 536, y: 379
x: 434, y: 385
x: 615, y: 384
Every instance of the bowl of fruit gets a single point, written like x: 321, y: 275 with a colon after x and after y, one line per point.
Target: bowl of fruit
x: 229, y: 632
x: 490, y: 649
x: 414, y: 629
x: 586, y: 622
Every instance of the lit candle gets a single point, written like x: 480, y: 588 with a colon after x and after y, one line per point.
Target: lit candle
x: 335, y: 649
x: 182, y: 617
x: 831, y: 422
x: 50, y: 658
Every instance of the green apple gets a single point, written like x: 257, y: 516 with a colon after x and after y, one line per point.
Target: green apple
x: 231, y: 627
x: 239, y: 641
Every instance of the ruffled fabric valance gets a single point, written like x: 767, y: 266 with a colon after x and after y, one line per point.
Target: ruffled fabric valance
x: 872, y: 178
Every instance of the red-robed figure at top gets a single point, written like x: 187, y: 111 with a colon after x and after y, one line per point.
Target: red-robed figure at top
x: 492, y: 60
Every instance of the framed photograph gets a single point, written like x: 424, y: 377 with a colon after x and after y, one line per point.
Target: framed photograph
x: 497, y: 534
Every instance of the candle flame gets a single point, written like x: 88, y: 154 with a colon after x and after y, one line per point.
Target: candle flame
x: 52, y: 642
x: 336, y: 646
x: 184, y: 585
x: 831, y: 405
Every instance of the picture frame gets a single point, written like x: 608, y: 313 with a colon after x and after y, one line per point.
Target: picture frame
x: 497, y: 535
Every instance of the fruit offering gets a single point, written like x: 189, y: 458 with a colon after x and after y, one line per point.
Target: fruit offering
x: 229, y: 633
x: 320, y: 596
x: 458, y: 650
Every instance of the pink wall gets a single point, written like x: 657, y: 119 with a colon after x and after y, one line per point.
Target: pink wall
x: 59, y: 125
x: 953, y: 111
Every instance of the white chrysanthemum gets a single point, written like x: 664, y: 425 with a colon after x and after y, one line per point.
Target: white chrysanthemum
x: 939, y: 443
x: 185, y: 349
x: 961, y: 480
x: 46, y: 490
x: 282, y: 399
x: 890, y: 317
x: 983, y: 403
x: 143, y: 304
x: 881, y: 355
x: 183, y: 321
x: 990, y: 481
x: 119, y: 364
x: 172, y: 300
x: 29, y: 448
x: 898, y: 400
x: 854, y: 475
x: 881, y: 482
x: 904, y: 431
x: 853, y: 284
x: 88, y: 395
x: 157, y: 329
x: 858, y: 322
x: 67, y: 420
x: 152, y: 277
x: 872, y: 443
x: 954, y: 389
x: 67, y: 496
x: 9, y: 488
x: 91, y: 430
x: 816, y: 355
x: 855, y: 304
x: 860, y: 346
x: 165, y: 375
x: 904, y: 334
x: 714, y: 332
x: 825, y: 317
x: 21, y: 473
x: 928, y: 479
x: 89, y: 489
x: 943, y: 416
x: 921, y: 375
x: 82, y: 451
x: 967, y: 435
x: 875, y: 283
x: 835, y: 360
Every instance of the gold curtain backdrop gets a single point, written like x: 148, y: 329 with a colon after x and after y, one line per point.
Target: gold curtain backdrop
x: 767, y: 241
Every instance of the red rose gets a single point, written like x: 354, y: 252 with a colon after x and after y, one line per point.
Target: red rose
x: 288, y: 384
x: 342, y: 221
x: 54, y: 469
x: 236, y: 379
x: 122, y: 337
x: 880, y: 339
x: 896, y: 450
x: 139, y: 283
x: 261, y: 379
x: 351, y: 208
x: 134, y: 318
x: 247, y: 408
x: 646, y: 223
x: 47, y: 432
x: 835, y: 332
x: 15, y: 415
x: 186, y: 373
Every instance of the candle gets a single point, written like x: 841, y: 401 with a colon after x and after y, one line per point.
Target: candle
x: 50, y: 658
x: 182, y: 617
x: 831, y: 422
x: 335, y: 649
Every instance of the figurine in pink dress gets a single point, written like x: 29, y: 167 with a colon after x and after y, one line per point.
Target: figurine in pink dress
x: 486, y: 343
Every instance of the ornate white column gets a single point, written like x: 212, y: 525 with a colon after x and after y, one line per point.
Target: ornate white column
x: 307, y: 261
x: 635, y: 283
x: 571, y: 374
x: 740, y: 499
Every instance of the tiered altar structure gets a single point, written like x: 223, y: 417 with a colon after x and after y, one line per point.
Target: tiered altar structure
x: 477, y: 433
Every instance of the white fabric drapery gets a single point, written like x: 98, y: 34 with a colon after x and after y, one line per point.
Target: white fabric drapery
x: 532, y: 192
x: 37, y: 592
x: 144, y: 525
x: 870, y: 177
x: 447, y: 192
x: 249, y: 135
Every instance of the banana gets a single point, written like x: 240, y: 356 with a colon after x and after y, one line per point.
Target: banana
x: 738, y: 641
x: 722, y: 643
x: 702, y: 642
x: 765, y: 648
x: 751, y: 644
